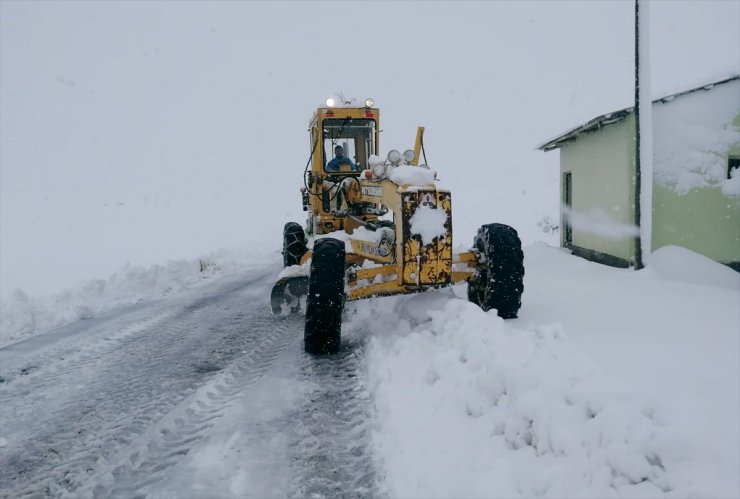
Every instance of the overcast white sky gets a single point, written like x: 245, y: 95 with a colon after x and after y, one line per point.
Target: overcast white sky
x: 144, y: 131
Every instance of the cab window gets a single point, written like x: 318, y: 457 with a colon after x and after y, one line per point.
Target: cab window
x: 355, y: 135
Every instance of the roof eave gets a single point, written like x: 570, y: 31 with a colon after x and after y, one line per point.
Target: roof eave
x: 608, y: 119
x: 590, y: 126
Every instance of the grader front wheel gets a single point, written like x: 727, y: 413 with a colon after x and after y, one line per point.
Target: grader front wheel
x: 294, y: 244
x: 501, y: 283
x: 325, y: 301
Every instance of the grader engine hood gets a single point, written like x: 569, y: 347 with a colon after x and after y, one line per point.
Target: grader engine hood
x: 426, y: 242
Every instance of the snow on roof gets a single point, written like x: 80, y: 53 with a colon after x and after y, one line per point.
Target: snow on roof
x: 617, y: 116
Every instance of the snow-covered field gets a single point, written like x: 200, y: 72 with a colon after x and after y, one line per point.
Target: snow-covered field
x: 611, y: 383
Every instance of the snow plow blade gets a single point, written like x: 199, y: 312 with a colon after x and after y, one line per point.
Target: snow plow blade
x: 287, y: 294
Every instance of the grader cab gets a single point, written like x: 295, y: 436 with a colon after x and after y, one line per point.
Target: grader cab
x: 380, y: 227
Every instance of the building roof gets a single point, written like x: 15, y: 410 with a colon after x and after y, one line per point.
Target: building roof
x: 617, y: 116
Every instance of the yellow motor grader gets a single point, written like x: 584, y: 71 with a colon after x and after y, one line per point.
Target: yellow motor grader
x: 380, y: 227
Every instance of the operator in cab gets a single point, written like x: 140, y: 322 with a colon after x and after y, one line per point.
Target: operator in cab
x: 339, y: 159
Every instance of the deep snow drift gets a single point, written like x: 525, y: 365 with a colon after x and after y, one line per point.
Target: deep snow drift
x: 22, y: 315
x: 612, y: 383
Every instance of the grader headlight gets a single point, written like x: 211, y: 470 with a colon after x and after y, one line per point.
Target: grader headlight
x: 369, y: 102
x: 379, y: 170
x: 331, y: 102
x: 409, y: 155
x: 394, y: 157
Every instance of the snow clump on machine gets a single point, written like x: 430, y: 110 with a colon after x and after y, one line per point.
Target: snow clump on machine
x: 428, y: 222
x: 411, y: 175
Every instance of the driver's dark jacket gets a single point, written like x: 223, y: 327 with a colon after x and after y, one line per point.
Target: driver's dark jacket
x: 333, y: 165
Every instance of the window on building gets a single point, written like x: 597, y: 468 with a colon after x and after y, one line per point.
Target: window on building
x: 733, y: 165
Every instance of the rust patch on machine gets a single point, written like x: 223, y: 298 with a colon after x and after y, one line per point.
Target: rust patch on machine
x: 429, y: 264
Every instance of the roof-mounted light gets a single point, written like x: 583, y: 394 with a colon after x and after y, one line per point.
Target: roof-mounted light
x: 331, y: 102
x: 369, y: 102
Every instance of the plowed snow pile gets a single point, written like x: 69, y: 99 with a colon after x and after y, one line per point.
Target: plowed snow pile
x: 22, y: 315
x: 469, y: 405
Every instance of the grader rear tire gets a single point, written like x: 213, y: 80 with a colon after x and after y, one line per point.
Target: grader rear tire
x: 294, y: 244
x: 325, y: 301
x: 501, y: 284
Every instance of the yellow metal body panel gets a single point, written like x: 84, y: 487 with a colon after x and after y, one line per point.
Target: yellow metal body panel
x: 380, y: 289
x: 381, y: 253
x: 467, y: 257
x: 417, y: 144
x: 371, y: 273
x: 459, y: 276
x: 395, y: 287
x: 431, y: 263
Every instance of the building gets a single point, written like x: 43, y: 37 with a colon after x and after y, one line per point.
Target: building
x: 696, y: 178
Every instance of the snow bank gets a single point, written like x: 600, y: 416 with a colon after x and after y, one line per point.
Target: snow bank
x: 22, y: 315
x: 673, y: 343
x: 469, y: 406
x: 675, y: 263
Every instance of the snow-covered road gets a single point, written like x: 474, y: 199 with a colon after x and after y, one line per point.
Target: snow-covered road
x: 113, y: 406
x: 611, y: 383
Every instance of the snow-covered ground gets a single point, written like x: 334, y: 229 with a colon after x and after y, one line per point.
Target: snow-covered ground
x: 142, y: 133
x: 611, y: 383
x: 22, y: 315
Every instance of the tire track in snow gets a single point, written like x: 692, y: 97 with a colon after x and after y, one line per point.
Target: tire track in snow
x: 142, y: 469
x: 144, y: 402
x: 38, y: 374
x: 332, y: 451
x: 288, y: 450
x: 95, y: 337
x: 110, y: 397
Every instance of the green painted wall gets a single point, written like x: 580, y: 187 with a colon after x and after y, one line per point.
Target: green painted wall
x: 735, y: 150
x: 704, y: 220
x: 601, y: 165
